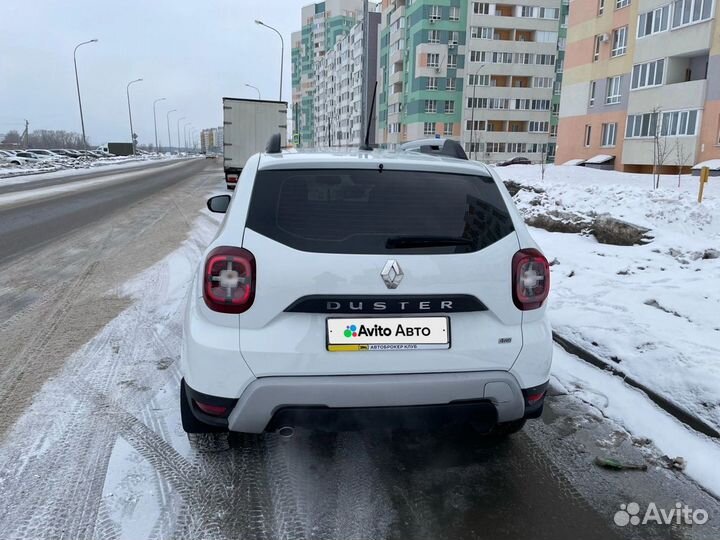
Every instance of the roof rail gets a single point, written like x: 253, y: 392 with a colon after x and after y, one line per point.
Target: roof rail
x: 438, y: 147
x: 274, y: 144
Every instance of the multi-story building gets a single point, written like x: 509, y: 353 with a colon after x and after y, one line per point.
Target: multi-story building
x: 340, y: 87
x: 483, y: 73
x: 421, y: 69
x: 322, y: 24
x: 510, y: 79
x: 211, y: 140
x: 641, y: 84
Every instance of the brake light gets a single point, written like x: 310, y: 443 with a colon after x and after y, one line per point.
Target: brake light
x: 229, y: 280
x: 531, y: 279
x: 232, y: 178
x: 212, y: 410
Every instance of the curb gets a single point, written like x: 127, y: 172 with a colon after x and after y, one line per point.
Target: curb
x: 674, y: 410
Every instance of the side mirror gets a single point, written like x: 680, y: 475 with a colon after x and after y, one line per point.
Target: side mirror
x: 218, y: 204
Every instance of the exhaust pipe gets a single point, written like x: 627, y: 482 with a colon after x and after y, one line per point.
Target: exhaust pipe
x: 286, y: 432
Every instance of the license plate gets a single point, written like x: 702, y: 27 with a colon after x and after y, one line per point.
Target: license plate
x: 388, y: 334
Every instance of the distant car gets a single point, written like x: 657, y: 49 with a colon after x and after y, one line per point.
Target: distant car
x: 515, y: 161
x: 31, y: 157
x: 47, y: 154
x: 7, y: 156
x: 66, y: 153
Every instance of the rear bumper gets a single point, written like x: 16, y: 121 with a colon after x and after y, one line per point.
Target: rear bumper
x: 268, y: 403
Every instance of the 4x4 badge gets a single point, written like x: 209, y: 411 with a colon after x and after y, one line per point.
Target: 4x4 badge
x: 392, y: 274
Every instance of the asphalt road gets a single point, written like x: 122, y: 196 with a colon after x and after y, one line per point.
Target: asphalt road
x: 26, y: 227
x: 91, y: 303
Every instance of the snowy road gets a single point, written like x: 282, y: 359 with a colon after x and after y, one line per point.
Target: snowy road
x: 91, y: 444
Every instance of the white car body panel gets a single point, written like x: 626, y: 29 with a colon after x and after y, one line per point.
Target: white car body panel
x: 225, y: 354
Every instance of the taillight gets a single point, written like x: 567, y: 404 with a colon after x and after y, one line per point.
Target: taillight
x: 232, y: 178
x: 212, y: 410
x: 531, y: 279
x: 229, y: 280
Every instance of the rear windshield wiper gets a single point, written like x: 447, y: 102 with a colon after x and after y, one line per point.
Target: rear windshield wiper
x: 405, y: 242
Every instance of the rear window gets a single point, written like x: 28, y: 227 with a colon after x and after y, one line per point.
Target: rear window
x: 366, y: 211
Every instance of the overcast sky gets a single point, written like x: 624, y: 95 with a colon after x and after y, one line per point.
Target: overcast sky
x: 193, y: 52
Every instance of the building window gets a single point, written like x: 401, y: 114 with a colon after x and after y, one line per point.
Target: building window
x: 450, y: 83
x: 691, y: 11
x: 549, y: 13
x: 619, y: 4
x: 613, y: 90
x: 524, y: 58
x: 588, y: 134
x: 542, y: 82
x: 648, y: 74
x: 433, y: 36
x: 448, y: 128
x: 433, y: 59
x: 557, y: 87
x: 429, y: 128
x: 553, y: 130
x: 608, y: 134
x: 653, y: 21
x: 478, y: 80
x: 478, y: 124
x: 545, y: 59
x: 481, y: 8
x: 452, y: 61
x: 538, y: 127
x: 454, y: 13
x: 641, y: 125
x: 432, y: 83
x: 593, y: 85
x: 596, y: 50
x: 430, y: 106
x: 526, y: 11
x: 679, y: 123
x: 449, y: 106
x: 435, y: 13
x: 481, y: 32
x: 601, y: 7
x: 454, y: 38
x: 619, y: 42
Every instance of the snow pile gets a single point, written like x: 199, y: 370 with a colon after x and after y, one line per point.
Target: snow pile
x: 652, y: 310
x: 8, y: 170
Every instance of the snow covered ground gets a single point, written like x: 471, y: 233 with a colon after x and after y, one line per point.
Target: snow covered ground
x: 12, y: 174
x: 653, y: 310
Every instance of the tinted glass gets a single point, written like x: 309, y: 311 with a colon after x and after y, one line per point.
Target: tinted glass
x: 357, y: 211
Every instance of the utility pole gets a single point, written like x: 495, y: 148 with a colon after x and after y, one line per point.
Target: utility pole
x: 77, y: 84
x: 26, y: 134
x: 168, y: 126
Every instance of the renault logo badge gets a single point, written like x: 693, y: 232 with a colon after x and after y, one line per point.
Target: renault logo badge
x: 392, y: 274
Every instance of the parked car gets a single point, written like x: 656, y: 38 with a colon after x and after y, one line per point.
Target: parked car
x: 48, y: 154
x: 7, y: 156
x: 338, y: 292
x: 515, y: 161
x: 31, y: 157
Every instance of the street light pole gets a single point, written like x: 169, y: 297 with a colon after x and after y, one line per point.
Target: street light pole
x: 178, y: 130
x: 185, y: 135
x: 472, y: 114
x: 132, y: 132
x: 282, y: 51
x: 77, y: 83
x: 168, y: 126
x: 157, y: 148
x: 254, y: 88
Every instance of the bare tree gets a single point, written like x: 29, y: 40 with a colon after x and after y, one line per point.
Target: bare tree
x: 543, y: 157
x: 661, y: 148
x: 682, y: 155
x: 12, y: 137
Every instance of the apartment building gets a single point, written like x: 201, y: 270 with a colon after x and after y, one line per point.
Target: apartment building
x: 421, y: 69
x: 641, y: 80
x: 211, y: 140
x: 510, y: 83
x: 323, y: 23
x: 340, y: 87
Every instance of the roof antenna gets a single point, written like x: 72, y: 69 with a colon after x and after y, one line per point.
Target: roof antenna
x: 366, y: 147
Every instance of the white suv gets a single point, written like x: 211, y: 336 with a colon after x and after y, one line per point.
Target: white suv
x: 345, y: 289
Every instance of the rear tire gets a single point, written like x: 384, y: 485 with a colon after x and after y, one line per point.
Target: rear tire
x: 189, y: 423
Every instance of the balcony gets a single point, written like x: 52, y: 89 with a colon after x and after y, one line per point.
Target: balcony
x: 683, y: 95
